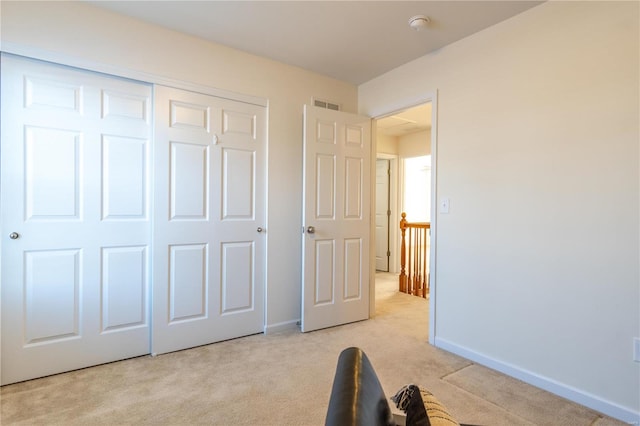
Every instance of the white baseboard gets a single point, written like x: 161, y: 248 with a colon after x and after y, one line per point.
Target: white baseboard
x: 281, y: 326
x: 576, y: 395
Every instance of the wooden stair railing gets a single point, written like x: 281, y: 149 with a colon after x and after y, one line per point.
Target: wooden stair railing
x: 414, y: 257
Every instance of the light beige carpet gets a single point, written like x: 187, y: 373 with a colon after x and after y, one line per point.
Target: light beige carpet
x: 285, y: 379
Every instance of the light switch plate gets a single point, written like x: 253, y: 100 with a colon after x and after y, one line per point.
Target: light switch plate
x: 444, y: 205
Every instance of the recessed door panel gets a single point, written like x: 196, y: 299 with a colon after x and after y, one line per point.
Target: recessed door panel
x: 124, y: 287
x: 188, y: 282
x: 43, y: 93
x: 53, y: 173
x: 352, y: 268
x: 189, y: 116
x: 237, y: 276
x: 189, y: 181
x: 325, y: 132
x: 52, y: 295
x: 354, y: 136
x: 124, y: 177
x: 325, y: 186
x: 238, y: 122
x: 125, y: 105
x: 324, y: 282
x: 237, y: 184
x: 353, y: 181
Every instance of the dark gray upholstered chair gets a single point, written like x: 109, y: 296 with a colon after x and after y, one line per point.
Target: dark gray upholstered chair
x: 357, y: 397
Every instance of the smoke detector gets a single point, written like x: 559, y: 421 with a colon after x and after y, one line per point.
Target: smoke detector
x: 419, y: 22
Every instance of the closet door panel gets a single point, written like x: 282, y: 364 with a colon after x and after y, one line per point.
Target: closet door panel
x: 209, y: 205
x: 75, y: 200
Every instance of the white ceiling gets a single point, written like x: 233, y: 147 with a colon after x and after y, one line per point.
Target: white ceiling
x: 352, y: 41
x: 413, y: 120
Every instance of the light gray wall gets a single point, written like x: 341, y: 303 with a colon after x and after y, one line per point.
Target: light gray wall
x: 415, y: 144
x: 411, y: 145
x: 537, y: 149
x: 386, y: 144
x: 81, y: 31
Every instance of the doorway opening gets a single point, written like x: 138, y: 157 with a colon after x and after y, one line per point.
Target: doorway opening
x: 405, y: 146
x: 403, y: 149
x: 416, y: 194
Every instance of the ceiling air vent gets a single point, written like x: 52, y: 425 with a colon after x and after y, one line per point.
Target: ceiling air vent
x: 326, y: 104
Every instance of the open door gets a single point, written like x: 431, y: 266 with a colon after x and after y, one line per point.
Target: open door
x: 383, y: 214
x: 336, y: 218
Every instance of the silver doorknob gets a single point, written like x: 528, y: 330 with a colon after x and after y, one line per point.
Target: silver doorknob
x: 14, y: 235
x: 259, y: 229
x: 311, y: 230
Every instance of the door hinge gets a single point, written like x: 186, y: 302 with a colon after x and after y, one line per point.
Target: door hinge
x: 388, y: 253
x: 388, y: 212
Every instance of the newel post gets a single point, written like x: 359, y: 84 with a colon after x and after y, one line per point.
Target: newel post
x: 403, y: 255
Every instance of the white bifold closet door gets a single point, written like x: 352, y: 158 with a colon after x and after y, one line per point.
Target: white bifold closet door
x: 209, y: 236
x: 75, y: 206
x: 92, y: 230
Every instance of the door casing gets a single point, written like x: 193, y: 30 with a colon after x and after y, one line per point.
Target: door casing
x: 385, y: 112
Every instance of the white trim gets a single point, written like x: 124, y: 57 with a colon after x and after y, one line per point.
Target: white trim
x: 394, y: 108
x: 76, y: 62
x: 580, y: 397
x: 372, y: 217
x: 282, y: 326
x: 267, y: 222
x: 401, y: 105
x: 434, y: 217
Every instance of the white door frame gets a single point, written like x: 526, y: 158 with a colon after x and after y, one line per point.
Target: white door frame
x: 394, y: 109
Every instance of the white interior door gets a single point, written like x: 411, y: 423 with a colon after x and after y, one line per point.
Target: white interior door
x: 75, y: 218
x: 209, y: 236
x: 336, y: 218
x: 383, y: 213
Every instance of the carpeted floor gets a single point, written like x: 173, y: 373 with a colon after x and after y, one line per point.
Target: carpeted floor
x: 285, y: 379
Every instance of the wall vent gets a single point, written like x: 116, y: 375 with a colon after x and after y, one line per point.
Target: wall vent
x: 326, y: 104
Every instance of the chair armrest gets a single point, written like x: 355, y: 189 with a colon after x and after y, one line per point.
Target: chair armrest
x: 357, y: 398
